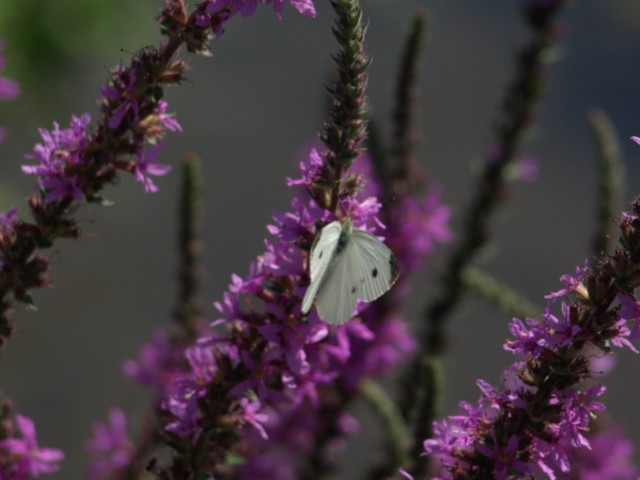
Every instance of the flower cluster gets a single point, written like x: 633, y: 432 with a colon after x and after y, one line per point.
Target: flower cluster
x: 270, y: 355
x: 369, y: 349
x: 542, y: 414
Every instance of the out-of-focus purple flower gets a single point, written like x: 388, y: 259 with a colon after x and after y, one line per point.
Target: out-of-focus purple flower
x: 405, y: 474
x: 9, y: 89
x: 27, y: 459
x: 7, y: 219
x: 160, y: 363
x: 636, y: 139
x: 145, y: 166
x: 110, y: 447
x: 609, y: 456
x: 248, y: 7
x: 526, y: 169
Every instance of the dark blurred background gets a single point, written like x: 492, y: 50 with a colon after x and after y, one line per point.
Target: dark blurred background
x: 247, y: 112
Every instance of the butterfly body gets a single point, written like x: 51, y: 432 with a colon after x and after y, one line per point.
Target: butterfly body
x: 347, y: 265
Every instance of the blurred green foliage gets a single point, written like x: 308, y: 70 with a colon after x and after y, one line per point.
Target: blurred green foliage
x: 44, y: 37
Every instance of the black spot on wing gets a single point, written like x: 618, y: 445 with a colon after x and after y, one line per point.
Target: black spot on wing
x: 353, y: 290
x: 320, y: 254
x: 374, y: 272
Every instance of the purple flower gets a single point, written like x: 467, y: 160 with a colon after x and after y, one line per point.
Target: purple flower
x: 9, y: 89
x: 7, y: 220
x: 527, y: 169
x: 248, y: 7
x: 145, y: 166
x: 28, y: 460
x: 160, y: 363
x: 636, y: 139
x: 61, y: 157
x: 249, y: 413
x: 123, y: 94
x: 504, y: 458
x: 610, y: 456
x: 110, y: 447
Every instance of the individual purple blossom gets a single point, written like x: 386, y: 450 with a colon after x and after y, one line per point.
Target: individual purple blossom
x: 7, y: 220
x: 504, y: 457
x: 123, y: 92
x: 636, y: 139
x: 573, y: 283
x: 22, y: 458
x: 146, y: 166
x: 249, y: 413
x: 110, y: 448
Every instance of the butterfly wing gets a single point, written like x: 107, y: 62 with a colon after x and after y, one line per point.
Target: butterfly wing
x: 376, y: 267
x: 320, y: 259
x: 338, y: 295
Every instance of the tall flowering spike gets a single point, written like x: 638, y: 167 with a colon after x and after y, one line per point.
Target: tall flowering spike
x: 127, y: 138
x: 542, y: 413
x: 402, y: 171
x: 303, y: 435
x: 517, y: 111
x: 189, y: 308
x: 345, y: 130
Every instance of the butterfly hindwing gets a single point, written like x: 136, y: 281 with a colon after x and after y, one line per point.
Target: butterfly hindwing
x: 377, y: 267
x: 320, y: 259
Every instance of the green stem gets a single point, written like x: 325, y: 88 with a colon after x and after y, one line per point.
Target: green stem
x: 499, y: 294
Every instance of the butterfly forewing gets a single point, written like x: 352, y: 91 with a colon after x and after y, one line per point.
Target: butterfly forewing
x: 338, y: 296
x: 320, y: 258
x: 377, y: 267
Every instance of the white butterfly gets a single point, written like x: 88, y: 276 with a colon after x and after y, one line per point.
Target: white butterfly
x: 347, y: 265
